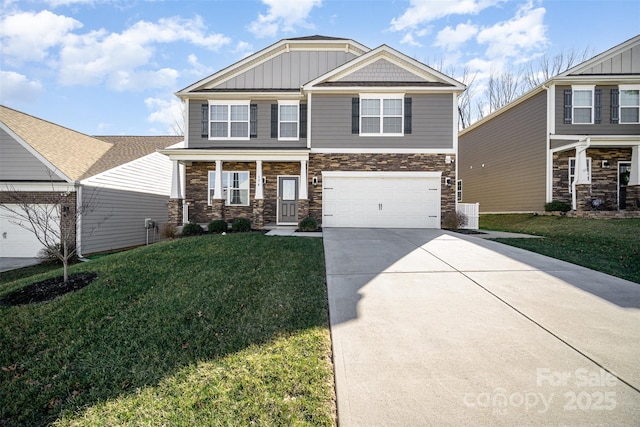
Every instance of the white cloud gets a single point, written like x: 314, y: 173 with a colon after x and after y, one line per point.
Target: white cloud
x: 26, y: 36
x: 167, y: 112
x: 117, y: 57
x: 17, y: 87
x: 521, y: 34
x: 283, y: 15
x: 56, y: 3
x: 424, y: 11
x: 452, y: 38
x: 408, y: 39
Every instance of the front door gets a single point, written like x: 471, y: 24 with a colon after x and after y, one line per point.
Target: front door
x: 288, y: 199
x: 624, y: 170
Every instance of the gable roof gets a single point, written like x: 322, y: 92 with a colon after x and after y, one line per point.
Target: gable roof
x: 74, y: 155
x: 619, y: 60
x: 408, y: 73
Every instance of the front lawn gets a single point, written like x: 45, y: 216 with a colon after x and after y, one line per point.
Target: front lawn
x: 213, y: 330
x: 608, y: 245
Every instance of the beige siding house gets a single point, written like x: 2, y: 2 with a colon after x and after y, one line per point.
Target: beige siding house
x: 319, y: 127
x: 122, y: 178
x: 573, y: 139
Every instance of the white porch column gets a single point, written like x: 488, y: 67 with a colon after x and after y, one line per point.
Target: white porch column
x: 302, y: 188
x: 581, y: 173
x: 217, y: 185
x: 259, y: 190
x: 176, y: 186
x: 634, y: 175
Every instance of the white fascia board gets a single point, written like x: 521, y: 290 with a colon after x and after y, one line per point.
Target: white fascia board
x: 383, y: 150
x: 380, y: 174
x: 37, y: 186
x: 597, y: 79
x: 385, y: 89
x: 35, y: 153
x: 253, y: 96
x: 197, y: 155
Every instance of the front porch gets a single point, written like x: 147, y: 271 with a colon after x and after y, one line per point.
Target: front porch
x: 596, y: 174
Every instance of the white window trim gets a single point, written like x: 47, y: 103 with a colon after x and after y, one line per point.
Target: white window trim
x: 620, y: 106
x: 382, y: 97
x: 289, y: 102
x: 459, y: 190
x: 571, y: 178
x: 229, y: 103
x: 211, y: 185
x: 573, y: 103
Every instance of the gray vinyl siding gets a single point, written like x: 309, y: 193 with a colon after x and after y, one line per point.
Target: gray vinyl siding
x: 502, y: 163
x: 263, y: 140
x: 382, y: 71
x: 432, y: 124
x: 18, y: 164
x: 289, y: 70
x: 626, y: 62
x: 603, y: 128
x: 125, y: 212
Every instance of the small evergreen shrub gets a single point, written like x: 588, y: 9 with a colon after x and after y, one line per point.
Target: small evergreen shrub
x: 454, y: 220
x: 168, y: 231
x: 308, y: 224
x: 241, y: 225
x: 191, y: 229
x: 217, y: 226
x: 557, y: 206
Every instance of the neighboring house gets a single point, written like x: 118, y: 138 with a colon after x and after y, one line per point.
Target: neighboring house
x: 322, y: 127
x: 123, y: 178
x: 574, y: 139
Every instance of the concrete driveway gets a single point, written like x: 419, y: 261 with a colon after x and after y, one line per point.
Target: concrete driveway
x: 7, y: 264
x: 436, y: 328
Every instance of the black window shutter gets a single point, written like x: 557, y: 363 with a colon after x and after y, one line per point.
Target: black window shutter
x: 205, y: 121
x: 274, y: 120
x: 303, y: 121
x: 355, y: 115
x: 598, y: 106
x: 567, y: 106
x: 615, y: 105
x: 407, y: 116
x: 253, y: 120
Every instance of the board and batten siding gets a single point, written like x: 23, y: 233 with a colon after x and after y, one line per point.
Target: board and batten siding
x: 288, y: 70
x: 117, y: 218
x: 432, y: 124
x: 603, y: 128
x: 263, y: 140
x: 18, y: 164
x: 502, y: 163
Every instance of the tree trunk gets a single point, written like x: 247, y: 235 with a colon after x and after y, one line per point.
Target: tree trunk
x: 65, y: 261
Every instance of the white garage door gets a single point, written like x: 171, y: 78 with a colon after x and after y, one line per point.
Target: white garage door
x: 15, y: 241
x: 381, y: 199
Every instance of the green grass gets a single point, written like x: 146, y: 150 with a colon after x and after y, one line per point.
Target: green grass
x: 213, y: 330
x: 611, y: 246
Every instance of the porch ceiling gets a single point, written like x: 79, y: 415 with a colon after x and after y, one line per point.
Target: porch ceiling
x: 237, y: 155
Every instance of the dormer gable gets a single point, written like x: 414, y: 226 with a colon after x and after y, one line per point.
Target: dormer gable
x: 623, y: 59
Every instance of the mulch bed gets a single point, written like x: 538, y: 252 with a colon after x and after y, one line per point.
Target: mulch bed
x: 465, y: 231
x: 48, y: 289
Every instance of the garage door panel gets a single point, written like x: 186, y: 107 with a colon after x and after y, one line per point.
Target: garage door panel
x: 381, y: 201
x: 15, y: 241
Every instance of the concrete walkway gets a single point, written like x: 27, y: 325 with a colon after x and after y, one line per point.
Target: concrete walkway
x: 436, y: 328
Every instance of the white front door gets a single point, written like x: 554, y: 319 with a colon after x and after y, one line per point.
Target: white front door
x: 381, y: 199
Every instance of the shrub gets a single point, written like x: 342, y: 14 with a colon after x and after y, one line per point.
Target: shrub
x: 168, y: 231
x: 217, y: 226
x: 47, y: 255
x: 454, y: 220
x: 191, y: 229
x: 308, y: 224
x: 557, y: 206
x: 241, y: 225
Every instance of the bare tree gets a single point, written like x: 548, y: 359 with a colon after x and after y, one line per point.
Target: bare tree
x: 547, y: 66
x: 53, y: 221
x: 466, y: 97
x: 503, y: 88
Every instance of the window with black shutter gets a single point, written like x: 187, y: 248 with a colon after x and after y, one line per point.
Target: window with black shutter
x: 407, y: 116
x: 274, y: 120
x: 355, y: 115
x: 615, y: 106
x: 253, y: 121
x: 567, y: 106
x: 303, y: 120
x: 597, y: 118
x: 205, y: 121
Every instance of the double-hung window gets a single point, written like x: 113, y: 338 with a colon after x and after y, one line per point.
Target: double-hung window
x: 582, y: 104
x: 381, y: 114
x: 572, y: 172
x: 288, y: 120
x: 235, y: 188
x: 229, y: 120
x: 629, y: 104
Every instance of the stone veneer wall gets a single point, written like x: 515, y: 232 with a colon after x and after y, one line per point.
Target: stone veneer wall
x: 47, y: 197
x: 604, y: 181
x: 374, y: 162
x: 197, y: 178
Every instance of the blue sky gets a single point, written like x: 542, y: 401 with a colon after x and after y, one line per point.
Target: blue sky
x: 110, y: 67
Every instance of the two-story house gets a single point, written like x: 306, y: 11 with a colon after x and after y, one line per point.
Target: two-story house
x: 322, y: 127
x: 574, y: 139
